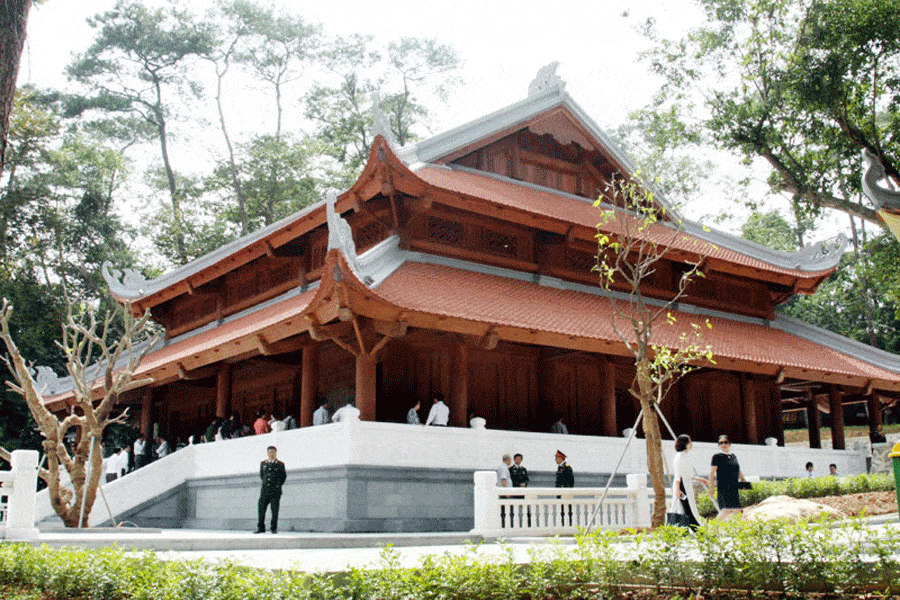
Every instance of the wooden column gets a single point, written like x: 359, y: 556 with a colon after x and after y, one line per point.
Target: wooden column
x: 365, y: 385
x: 459, y: 402
x: 836, y: 400
x: 608, y: 417
x: 812, y: 418
x: 146, y: 410
x: 876, y: 416
x: 223, y: 391
x: 748, y: 405
x: 778, y: 418
x: 308, y: 375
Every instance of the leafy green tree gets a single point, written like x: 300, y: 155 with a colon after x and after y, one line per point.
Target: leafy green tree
x: 13, y: 21
x: 804, y: 85
x: 138, y: 57
x: 769, y: 229
x: 57, y: 226
x: 362, y: 75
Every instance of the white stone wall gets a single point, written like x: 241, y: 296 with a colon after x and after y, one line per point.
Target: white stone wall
x: 439, y: 448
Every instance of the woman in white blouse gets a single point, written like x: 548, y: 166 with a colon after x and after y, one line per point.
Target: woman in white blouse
x: 683, y: 483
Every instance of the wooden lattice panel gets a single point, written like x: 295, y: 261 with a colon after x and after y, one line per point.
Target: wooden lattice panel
x: 582, y: 262
x: 444, y: 231
x: 496, y: 242
x: 369, y: 235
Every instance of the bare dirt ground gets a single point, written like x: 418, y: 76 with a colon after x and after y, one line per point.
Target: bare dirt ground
x: 873, y: 503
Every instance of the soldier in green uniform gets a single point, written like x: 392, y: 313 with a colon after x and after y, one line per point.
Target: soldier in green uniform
x: 517, y: 473
x: 272, y: 474
x: 565, y: 478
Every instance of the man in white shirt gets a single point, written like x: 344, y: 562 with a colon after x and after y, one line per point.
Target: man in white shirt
x: 140, y: 452
x: 440, y: 413
x: 320, y: 416
x: 163, y: 449
x: 347, y: 412
x: 122, y: 462
x: 503, y: 478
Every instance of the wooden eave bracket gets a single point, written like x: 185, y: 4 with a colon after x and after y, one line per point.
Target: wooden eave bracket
x: 489, y: 340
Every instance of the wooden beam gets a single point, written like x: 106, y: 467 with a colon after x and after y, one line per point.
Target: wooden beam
x: 194, y: 374
x: 608, y: 417
x: 264, y: 347
x: 459, y: 403
x: 490, y: 339
x: 270, y: 250
x: 390, y: 328
x: 146, y: 408
x: 321, y: 333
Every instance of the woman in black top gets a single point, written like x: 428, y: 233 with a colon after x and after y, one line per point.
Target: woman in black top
x: 725, y: 474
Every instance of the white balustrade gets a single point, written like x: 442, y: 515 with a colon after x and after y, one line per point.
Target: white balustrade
x: 540, y: 511
x: 19, y: 486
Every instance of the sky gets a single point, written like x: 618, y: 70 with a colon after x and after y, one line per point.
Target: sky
x: 502, y: 45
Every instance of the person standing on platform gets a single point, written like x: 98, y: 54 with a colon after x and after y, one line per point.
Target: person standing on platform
x: 140, y: 451
x: 559, y: 427
x: 439, y: 415
x: 272, y: 474
x: 412, y: 417
x: 724, y: 474
x: 321, y: 416
x: 261, y: 425
x: 503, y: 478
x: 809, y: 469
x: 163, y: 449
x: 517, y: 473
x: 290, y: 422
x: 347, y: 412
x: 565, y: 477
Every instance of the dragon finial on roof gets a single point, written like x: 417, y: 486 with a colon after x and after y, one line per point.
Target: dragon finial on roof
x: 382, y: 124
x: 884, y: 199
x: 131, y: 283
x: 546, y: 79
x: 340, y: 235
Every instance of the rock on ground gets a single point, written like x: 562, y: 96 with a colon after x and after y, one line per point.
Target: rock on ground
x: 792, y: 509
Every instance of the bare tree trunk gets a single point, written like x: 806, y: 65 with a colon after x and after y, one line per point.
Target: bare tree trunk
x: 653, y: 442
x: 232, y: 162
x: 13, y: 22
x: 177, y: 216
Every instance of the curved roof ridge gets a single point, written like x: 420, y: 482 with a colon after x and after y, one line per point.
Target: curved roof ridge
x: 130, y: 284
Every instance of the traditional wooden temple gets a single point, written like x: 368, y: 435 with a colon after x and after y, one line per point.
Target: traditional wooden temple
x: 462, y: 264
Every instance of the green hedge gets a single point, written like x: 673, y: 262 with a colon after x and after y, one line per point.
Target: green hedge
x: 805, y: 557
x: 805, y: 487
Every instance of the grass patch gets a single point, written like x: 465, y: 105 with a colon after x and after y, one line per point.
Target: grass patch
x: 805, y: 487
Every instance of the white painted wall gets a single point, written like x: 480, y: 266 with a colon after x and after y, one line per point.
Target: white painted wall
x: 397, y: 445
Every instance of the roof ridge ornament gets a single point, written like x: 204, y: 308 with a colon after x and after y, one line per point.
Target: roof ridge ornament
x: 44, y: 378
x: 822, y: 250
x: 382, y: 123
x: 884, y: 199
x: 546, y: 79
x: 123, y: 283
x: 340, y: 235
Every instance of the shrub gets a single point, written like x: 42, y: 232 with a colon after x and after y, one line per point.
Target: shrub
x: 737, y: 555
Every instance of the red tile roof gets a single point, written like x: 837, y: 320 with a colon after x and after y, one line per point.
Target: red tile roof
x: 545, y: 203
x: 500, y: 301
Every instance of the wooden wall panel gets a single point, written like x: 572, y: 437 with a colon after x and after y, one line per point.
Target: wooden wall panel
x: 261, y: 385
x: 713, y: 401
x: 336, y: 375
x: 572, y: 386
x: 413, y: 373
x: 503, y: 388
x: 187, y: 409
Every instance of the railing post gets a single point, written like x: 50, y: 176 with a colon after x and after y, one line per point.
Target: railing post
x: 486, y: 503
x: 21, y: 504
x: 637, y: 482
